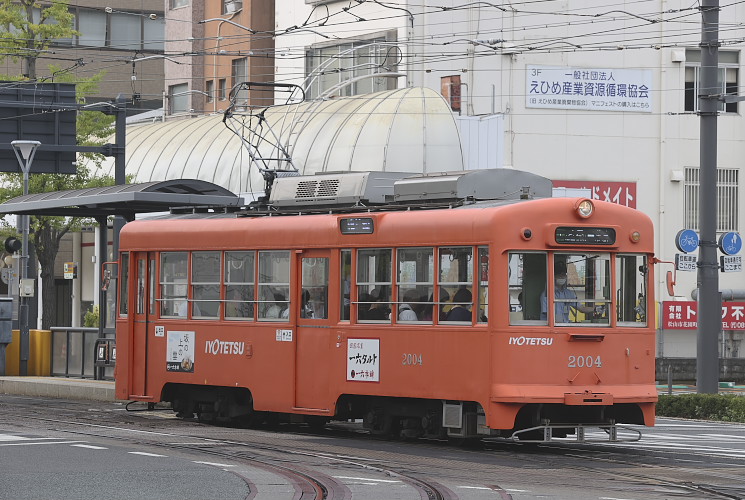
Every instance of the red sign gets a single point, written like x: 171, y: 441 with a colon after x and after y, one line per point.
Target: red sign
x: 682, y: 315
x: 622, y: 193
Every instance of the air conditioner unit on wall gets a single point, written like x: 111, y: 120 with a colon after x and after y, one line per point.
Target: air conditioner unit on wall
x: 232, y: 6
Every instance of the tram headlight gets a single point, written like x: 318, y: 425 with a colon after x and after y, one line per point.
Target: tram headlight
x: 635, y: 236
x: 585, y: 208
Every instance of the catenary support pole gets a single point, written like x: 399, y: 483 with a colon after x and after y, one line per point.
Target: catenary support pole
x: 709, y: 299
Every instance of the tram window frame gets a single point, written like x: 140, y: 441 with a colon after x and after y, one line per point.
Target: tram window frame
x: 412, y: 264
x: 151, y: 286
x: 381, y: 260
x: 482, y: 297
x: 239, y: 278
x: 174, y: 284
x: 527, y: 279
x: 205, y: 284
x: 314, y: 284
x: 631, y: 304
x: 124, y: 286
x: 345, y: 285
x: 453, y: 286
x: 581, y: 279
x: 140, y: 293
x: 273, y: 279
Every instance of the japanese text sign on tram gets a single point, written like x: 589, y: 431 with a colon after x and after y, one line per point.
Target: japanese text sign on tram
x: 730, y: 244
x: 687, y: 241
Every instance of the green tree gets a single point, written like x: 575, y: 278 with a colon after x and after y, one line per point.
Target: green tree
x: 27, y: 29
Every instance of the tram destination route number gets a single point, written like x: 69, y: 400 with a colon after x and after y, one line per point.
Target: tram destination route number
x: 569, y: 235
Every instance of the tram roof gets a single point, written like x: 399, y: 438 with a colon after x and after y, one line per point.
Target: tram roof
x: 125, y: 200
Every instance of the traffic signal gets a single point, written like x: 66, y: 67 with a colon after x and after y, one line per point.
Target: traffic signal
x: 12, y: 244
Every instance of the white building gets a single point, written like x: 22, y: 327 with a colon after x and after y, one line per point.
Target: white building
x: 593, y: 96
x: 590, y: 94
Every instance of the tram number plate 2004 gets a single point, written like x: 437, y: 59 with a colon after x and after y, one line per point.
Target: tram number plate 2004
x: 585, y: 362
x: 411, y: 359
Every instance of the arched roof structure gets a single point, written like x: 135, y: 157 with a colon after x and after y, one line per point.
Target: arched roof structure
x: 403, y: 130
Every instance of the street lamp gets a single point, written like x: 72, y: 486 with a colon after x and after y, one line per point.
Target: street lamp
x: 25, y: 151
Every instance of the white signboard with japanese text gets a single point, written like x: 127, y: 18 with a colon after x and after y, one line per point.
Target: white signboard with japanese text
x: 595, y: 89
x: 180, y: 352
x: 363, y: 360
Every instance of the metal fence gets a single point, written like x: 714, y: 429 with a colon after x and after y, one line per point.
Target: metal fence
x: 73, y: 353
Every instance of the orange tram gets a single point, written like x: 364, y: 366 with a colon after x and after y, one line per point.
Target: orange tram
x: 425, y: 312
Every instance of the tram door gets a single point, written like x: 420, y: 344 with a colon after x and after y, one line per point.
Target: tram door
x: 313, y: 330
x: 143, y: 308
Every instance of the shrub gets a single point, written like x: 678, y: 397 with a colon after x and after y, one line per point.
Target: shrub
x: 90, y: 319
x: 723, y: 407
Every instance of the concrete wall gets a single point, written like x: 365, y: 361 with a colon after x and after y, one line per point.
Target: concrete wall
x: 684, y: 370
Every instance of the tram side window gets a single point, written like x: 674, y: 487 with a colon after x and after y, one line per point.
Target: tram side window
x: 374, y: 284
x: 346, y: 283
x: 274, y: 285
x: 415, y: 281
x: 124, y: 287
x: 205, y: 284
x: 456, y: 280
x: 483, y: 282
x: 315, y: 284
x: 173, y: 276
x: 632, y: 274
x: 527, y: 277
x: 582, y: 288
x: 239, y: 285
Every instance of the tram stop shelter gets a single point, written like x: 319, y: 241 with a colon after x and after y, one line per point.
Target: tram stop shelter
x: 125, y: 201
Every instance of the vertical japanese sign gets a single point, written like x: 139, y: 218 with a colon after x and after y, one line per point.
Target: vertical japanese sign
x: 621, y: 193
x: 180, y: 352
x: 681, y: 315
x: 594, y: 89
x: 363, y: 360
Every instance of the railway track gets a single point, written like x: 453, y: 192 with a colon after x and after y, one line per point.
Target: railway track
x: 317, y: 473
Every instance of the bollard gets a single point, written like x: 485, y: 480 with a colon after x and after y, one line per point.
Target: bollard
x: 6, y: 332
x: 669, y: 379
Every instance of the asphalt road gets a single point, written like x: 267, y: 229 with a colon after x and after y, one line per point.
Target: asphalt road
x: 52, y: 449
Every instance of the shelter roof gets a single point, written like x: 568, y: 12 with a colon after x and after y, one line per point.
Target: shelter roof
x: 125, y: 200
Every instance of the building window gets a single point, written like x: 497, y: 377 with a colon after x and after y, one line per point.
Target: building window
x: 231, y: 6
x: 178, y: 98
x: 727, y: 199
x: 175, y: 4
x: 328, y: 67
x: 210, y: 90
x: 729, y: 62
x: 239, y: 74
x: 116, y: 30
x: 222, y: 90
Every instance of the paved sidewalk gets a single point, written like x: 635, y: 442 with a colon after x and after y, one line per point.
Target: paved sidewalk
x: 58, y: 387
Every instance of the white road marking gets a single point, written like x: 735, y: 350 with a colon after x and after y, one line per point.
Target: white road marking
x: 33, y: 443
x: 366, y: 479
x: 89, y: 446
x: 145, y: 454
x: 214, y: 464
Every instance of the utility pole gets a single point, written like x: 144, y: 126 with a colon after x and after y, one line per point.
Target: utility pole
x: 709, y: 298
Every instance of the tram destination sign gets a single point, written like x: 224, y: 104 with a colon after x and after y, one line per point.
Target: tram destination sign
x: 585, y: 235
x: 357, y: 225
